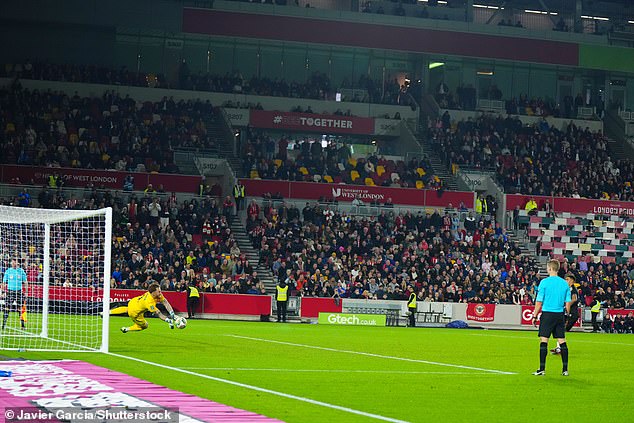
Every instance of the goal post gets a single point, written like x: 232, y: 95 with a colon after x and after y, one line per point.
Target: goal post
x: 65, y: 257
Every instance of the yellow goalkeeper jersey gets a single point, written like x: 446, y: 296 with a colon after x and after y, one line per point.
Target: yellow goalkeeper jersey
x: 143, y: 303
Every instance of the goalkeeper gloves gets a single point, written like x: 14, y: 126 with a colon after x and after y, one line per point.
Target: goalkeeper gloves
x: 170, y: 322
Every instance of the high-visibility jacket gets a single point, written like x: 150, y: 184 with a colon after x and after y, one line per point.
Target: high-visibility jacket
x: 282, y: 293
x: 531, y: 205
x: 596, y: 307
x: 238, y: 191
x: 193, y: 292
x: 411, y: 303
x: 478, y: 206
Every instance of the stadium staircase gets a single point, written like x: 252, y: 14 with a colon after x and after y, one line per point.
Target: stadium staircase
x: 439, y: 169
x: 222, y: 134
x: 528, y: 248
x: 252, y: 254
x: 614, y: 129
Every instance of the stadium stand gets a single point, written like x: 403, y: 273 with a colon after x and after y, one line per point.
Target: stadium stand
x: 57, y: 130
x: 266, y: 157
x: 318, y: 85
x: 446, y: 257
x: 536, y: 160
x: 190, y: 240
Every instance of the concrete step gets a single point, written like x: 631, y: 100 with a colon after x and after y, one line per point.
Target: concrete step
x: 252, y: 254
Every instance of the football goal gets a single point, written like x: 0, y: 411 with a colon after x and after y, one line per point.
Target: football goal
x: 55, y: 268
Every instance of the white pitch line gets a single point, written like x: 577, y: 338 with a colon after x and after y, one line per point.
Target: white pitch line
x: 267, y: 391
x: 389, y: 357
x: 582, y: 341
x: 405, y: 372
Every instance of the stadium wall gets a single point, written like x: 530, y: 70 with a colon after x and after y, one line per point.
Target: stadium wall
x: 347, y: 193
x: 573, y: 205
x: 109, y: 179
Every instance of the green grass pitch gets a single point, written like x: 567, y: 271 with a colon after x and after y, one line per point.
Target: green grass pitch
x: 406, y: 374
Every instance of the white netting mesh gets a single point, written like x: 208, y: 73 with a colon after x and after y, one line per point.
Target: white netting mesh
x: 64, y: 290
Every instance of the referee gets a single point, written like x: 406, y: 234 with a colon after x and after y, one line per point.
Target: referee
x: 552, y: 297
x: 15, y: 283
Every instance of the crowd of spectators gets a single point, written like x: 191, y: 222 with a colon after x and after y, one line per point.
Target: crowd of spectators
x: 317, y: 86
x: 466, y: 98
x: 269, y: 157
x: 612, y: 284
x: 92, y: 74
x: 451, y: 256
x: 535, y: 160
x: 163, y: 239
x: 412, y: 8
x: 53, y: 129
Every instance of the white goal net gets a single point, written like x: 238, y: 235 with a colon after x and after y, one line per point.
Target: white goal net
x: 55, y: 268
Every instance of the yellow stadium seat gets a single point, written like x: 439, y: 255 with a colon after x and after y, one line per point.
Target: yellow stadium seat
x: 353, y: 162
x: 328, y: 179
x: 420, y: 171
x: 278, y: 162
x: 303, y: 170
x: 380, y: 170
x: 254, y: 174
x: 369, y: 181
x: 354, y: 175
x: 420, y: 184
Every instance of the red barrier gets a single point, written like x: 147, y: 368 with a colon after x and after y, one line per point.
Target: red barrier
x: 513, y: 200
x: 620, y: 312
x: 110, y: 179
x: 253, y: 305
x: 573, y: 205
x: 325, y: 124
x: 340, y: 192
x: 312, y: 306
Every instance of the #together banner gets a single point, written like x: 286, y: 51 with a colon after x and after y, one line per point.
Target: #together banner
x: 325, y: 124
x: 481, y: 312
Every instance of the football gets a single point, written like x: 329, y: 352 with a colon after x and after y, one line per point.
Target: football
x: 180, y: 322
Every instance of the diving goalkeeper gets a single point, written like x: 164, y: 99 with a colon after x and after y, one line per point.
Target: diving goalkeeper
x: 137, y: 307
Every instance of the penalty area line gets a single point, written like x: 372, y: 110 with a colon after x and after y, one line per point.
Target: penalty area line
x: 389, y: 357
x: 391, y: 372
x: 264, y: 390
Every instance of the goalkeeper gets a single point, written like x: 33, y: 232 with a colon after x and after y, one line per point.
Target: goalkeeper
x: 137, y: 307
